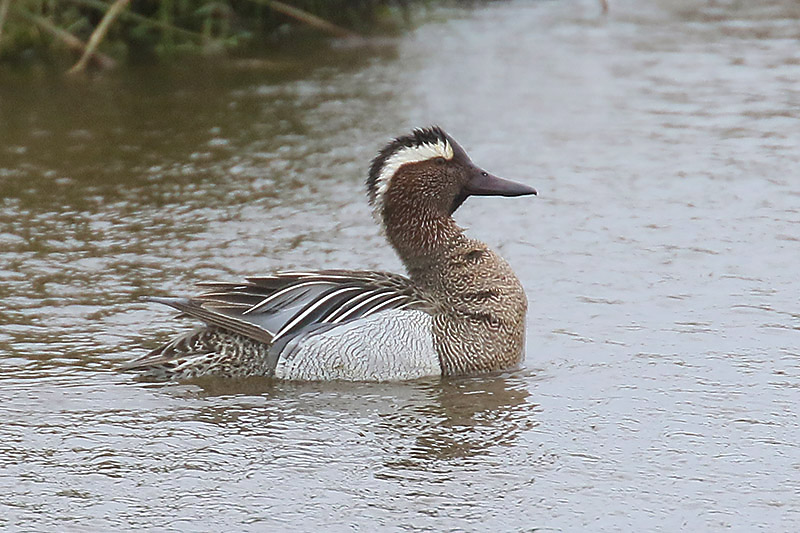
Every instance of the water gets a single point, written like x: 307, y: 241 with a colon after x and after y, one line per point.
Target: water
x: 662, y: 378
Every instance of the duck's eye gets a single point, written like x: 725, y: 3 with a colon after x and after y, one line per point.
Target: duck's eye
x: 440, y: 160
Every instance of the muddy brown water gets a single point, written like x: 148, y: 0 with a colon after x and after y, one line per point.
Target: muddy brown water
x: 662, y: 380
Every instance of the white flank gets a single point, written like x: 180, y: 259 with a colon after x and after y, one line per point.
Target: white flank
x: 407, y: 154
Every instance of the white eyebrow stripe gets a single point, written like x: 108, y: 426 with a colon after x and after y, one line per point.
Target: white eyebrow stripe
x: 405, y: 155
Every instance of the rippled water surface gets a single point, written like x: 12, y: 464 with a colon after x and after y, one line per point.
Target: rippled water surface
x: 662, y: 380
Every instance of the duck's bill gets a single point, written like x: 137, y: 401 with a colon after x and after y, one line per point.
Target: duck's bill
x: 484, y: 184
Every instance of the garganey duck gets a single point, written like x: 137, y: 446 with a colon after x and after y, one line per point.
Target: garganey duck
x: 461, y: 310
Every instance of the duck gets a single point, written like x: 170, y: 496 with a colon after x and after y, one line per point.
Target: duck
x: 459, y: 310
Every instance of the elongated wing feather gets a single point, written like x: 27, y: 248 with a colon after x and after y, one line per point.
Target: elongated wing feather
x: 277, y: 307
x: 195, y: 309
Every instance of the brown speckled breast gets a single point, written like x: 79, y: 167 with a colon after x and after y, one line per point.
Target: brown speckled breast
x: 480, y: 323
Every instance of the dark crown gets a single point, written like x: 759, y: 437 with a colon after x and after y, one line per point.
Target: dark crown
x: 416, y: 138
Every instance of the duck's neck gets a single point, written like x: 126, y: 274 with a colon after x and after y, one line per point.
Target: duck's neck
x: 422, y: 237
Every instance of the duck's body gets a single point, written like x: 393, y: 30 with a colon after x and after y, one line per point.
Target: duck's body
x: 460, y: 311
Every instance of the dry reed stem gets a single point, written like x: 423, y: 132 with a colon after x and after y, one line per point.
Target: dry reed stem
x: 98, y: 34
x: 307, y: 18
x: 100, y: 6
x: 64, y: 36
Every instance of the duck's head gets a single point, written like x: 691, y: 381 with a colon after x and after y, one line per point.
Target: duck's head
x: 427, y: 171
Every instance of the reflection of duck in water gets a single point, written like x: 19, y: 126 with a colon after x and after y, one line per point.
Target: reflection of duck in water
x: 467, y: 418
x: 460, y: 311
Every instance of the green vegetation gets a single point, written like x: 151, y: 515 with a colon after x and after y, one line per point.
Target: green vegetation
x: 100, y: 33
